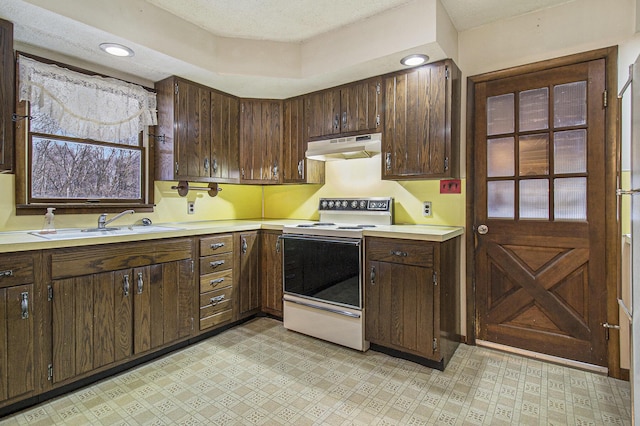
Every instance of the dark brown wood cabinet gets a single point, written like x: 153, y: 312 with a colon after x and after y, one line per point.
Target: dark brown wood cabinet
x: 249, y: 277
x: 412, y: 297
x: 18, y: 343
x: 111, y: 303
x: 295, y: 167
x: 218, y: 295
x: 197, y: 137
x: 7, y: 97
x: 271, y: 272
x: 260, y: 141
x: 352, y: 108
x: 421, y: 131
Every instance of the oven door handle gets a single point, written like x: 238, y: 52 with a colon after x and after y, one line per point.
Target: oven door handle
x: 324, y: 308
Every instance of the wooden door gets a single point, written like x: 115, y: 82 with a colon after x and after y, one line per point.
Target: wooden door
x: 417, y: 129
x: 400, y: 307
x: 249, y: 281
x: 539, y: 187
x: 193, y: 130
x: 16, y: 341
x: 225, y: 122
x: 359, y: 106
x: 271, y: 272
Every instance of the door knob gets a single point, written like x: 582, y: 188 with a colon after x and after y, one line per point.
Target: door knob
x: 483, y: 229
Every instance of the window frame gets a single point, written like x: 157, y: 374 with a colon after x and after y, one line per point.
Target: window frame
x: 23, y: 202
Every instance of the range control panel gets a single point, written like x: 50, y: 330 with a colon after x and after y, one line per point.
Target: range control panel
x: 378, y: 204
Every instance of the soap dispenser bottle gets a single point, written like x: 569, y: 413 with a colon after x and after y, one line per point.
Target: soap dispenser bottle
x: 49, y: 225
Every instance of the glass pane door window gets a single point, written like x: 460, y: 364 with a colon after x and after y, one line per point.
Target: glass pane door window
x: 537, y: 154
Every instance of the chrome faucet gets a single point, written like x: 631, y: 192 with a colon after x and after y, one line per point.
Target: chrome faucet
x: 103, y: 222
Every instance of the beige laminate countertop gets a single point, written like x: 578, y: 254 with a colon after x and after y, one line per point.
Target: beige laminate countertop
x: 14, y: 241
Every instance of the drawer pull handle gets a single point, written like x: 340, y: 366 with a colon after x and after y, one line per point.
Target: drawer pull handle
x: 125, y: 285
x: 217, y: 299
x: 216, y: 263
x: 216, y: 246
x: 24, y: 304
x: 8, y: 273
x: 140, y: 283
x: 399, y: 253
x: 216, y: 281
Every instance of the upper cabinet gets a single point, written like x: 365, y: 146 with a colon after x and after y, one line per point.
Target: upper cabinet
x: 7, y: 88
x: 197, y: 134
x: 421, y: 132
x: 295, y: 167
x: 260, y: 141
x: 346, y: 109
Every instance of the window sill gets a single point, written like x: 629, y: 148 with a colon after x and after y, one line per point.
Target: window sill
x: 80, y: 208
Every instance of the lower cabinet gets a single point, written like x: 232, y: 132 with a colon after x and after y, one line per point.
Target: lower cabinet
x: 271, y: 272
x: 249, y: 278
x: 412, y: 298
x: 18, y: 343
x: 217, y: 285
x: 137, y: 298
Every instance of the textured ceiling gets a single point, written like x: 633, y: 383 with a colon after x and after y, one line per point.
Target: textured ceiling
x: 179, y: 37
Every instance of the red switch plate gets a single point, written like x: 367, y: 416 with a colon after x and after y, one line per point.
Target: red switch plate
x: 451, y: 186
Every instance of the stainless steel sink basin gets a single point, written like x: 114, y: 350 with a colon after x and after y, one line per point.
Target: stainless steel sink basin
x: 69, y: 234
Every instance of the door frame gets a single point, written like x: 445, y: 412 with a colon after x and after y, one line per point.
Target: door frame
x: 612, y: 228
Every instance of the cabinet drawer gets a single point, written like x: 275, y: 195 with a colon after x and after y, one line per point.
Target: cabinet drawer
x: 16, y: 269
x: 216, y: 319
x: 216, y: 280
x: 216, y: 244
x: 215, y: 301
x: 417, y: 253
x: 215, y: 263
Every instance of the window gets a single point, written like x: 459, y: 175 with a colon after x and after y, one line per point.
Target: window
x: 83, y: 145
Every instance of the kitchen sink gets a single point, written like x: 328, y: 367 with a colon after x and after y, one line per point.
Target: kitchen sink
x: 69, y: 234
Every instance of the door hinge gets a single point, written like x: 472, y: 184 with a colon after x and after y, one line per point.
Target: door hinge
x: 50, y: 372
x: 177, y: 168
x: 49, y: 293
x: 605, y: 102
x: 446, y: 163
x: 435, y: 278
x: 446, y: 73
x: 176, y: 90
x: 192, y: 267
x: 378, y: 89
x: 435, y: 344
x: 378, y: 120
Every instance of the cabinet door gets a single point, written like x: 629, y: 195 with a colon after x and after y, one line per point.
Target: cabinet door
x: 400, y: 307
x: 271, y: 273
x: 260, y: 141
x: 249, y: 281
x: 293, y: 141
x: 16, y: 341
x: 163, y: 307
x: 225, y: 137
x: 360, y: 106
x: 417, y: 129
x: 7, y: 85
x: 193, y: 134
x: 323, y: 113
x: 91, y: 321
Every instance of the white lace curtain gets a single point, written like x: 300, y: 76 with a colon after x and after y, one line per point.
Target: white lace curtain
x: 84, y: 106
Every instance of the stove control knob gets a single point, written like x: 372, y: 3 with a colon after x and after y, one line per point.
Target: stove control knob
x: 363, y: 204
x: 354, y: 204
x: 330, y: 204
x: 324, y: 204
x: 344, y: 204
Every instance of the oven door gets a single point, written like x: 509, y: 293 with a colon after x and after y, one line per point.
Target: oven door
x: 324, y: 269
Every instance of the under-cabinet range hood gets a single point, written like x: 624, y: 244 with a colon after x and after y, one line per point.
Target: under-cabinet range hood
x: 362, y: 146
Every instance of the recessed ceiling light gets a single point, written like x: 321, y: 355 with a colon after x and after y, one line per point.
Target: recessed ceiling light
x: 116, y: 49
x: 413, y: 60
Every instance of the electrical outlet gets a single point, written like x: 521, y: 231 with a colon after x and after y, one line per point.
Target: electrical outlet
x: 191, y: 207
x: 450, y: 186
x: 426, y: 209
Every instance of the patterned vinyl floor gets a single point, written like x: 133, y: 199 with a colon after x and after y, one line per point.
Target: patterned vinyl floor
x: 261, y: 374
